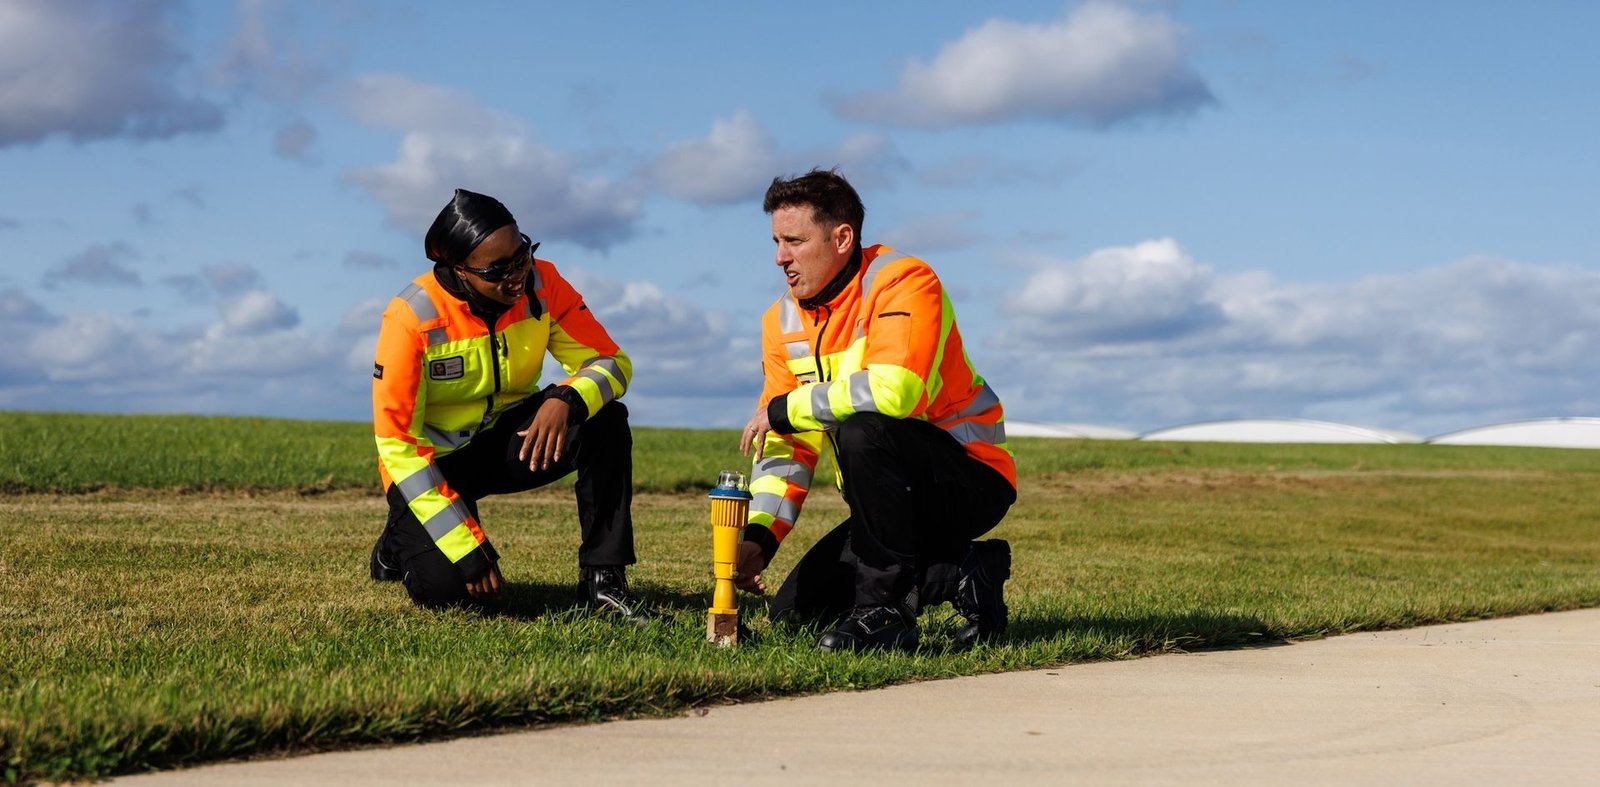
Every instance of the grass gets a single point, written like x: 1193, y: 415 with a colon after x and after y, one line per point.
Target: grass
x: 151, y: 618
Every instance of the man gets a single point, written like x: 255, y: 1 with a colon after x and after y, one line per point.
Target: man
x: 862, y: 357
x: 458, y: 414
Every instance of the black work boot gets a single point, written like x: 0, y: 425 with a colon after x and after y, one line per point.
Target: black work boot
x: 873, y: 628
x: 980, y: 593
x: 382, y: 564
x: 606, y: 588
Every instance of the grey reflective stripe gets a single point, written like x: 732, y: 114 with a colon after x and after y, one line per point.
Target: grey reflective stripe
x: 787, y: 469
x: 451, y: 440
x: 820, y: 408
x: 861, y: 393
x: 600, y: 381
x: 789, y: 315
x: 420, y: 483
x: 980, y: 404
x: 878, y: 264
x: 437, y: 336
x: 971, y: 432
x: 607, y: 363
x: 778, y: 506
x: 421, y: 305
x: 451, y: 517
x: 537, y: 283
x: 798, y: 350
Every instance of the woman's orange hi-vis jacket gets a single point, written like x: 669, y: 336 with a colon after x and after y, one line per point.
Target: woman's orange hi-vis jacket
x: 442, y: 375
x: 887, y: 342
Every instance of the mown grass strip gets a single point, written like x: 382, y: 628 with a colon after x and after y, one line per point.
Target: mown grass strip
x: 144, y: 629
x: 73, y: 452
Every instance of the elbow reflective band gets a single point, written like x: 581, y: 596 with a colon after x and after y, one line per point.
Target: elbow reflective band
x: 985, y: 400
x: 419, y: 483
x: 882, y: 388
x: 599, y: 381
x: 973, y: 432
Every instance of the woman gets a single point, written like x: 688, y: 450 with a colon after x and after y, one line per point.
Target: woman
x: 458, y: 414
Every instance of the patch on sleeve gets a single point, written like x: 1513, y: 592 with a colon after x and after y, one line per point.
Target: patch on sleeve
x: 452, y: 368
x: 377, y: 371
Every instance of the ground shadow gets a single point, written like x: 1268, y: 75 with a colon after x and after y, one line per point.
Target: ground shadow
x: 532, y: 600
x: 1189, y: 631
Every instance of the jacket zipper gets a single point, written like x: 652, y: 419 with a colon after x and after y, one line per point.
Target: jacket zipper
x: 494, y: 361
x: 816, y: 356
x: 816, y: 351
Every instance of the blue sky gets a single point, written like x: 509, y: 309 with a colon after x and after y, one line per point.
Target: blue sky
x: 1148, y: 213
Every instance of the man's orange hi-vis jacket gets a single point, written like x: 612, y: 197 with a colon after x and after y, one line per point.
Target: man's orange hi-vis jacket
x: 887, y: 342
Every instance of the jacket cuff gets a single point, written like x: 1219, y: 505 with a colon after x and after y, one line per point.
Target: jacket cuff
x: 762, y: 537
x: 778, y: 415
x: 578, y: 411
x: 476, y: 563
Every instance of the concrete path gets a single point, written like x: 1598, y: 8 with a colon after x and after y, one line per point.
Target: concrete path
x: 1511, y: 701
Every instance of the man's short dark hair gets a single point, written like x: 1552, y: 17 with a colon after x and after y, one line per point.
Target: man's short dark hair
x: 833, y: 201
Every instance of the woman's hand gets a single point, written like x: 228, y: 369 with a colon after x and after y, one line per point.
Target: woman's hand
x: 544, y: 438
x: 487, y: 587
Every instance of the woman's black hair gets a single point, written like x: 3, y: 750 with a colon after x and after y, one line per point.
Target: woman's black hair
x: 462, y: 225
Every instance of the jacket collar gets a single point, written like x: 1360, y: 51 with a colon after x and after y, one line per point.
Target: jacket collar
x: 837, y: 285
x: 484, y: 309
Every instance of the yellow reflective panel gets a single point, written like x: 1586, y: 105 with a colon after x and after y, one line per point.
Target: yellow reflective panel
x: 457, y: 543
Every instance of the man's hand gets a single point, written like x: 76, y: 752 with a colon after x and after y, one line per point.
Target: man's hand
x: 487, y: 587
x: 747, y: 573
x: 754, y: 436
x: 544, y: 438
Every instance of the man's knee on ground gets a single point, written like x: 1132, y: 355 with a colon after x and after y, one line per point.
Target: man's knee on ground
x: 862, y: 432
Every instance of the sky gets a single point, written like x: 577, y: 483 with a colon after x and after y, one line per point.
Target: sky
x: 1146, y: 213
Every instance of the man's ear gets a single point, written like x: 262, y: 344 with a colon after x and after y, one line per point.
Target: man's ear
x: 844, y: 238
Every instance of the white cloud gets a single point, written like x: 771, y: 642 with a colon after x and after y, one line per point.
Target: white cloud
x: 227, y: 279
x: 254, y: 358
x: 268, y: 57
x: 92, y: 69
x: 1150, y: 290
x: 451, y: 141
x: 677, y: 347
x: 255, y: 313
x: 733, y: 164
x: 739, y: 158
x: 99, y: 265
x: 1144, y: 336
x: 1100, y: 64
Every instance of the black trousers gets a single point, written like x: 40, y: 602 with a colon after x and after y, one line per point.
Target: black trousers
x: 600, y: 450
x: 917, y: 500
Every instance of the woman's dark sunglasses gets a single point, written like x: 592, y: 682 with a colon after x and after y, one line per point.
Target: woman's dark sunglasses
x: 501, y: 269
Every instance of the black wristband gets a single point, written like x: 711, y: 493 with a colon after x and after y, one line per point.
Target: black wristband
x: 578, y: 410
x: 778, y: 415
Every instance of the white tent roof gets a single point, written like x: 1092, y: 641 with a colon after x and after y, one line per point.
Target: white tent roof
x: 1540, y: 432
x: 1279, y: 430
x: 1057, y: 429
